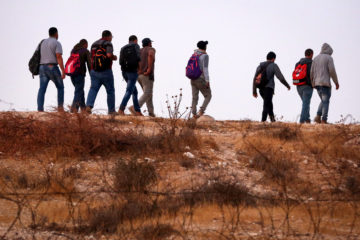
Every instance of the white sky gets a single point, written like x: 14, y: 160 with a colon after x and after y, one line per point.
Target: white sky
x: 240, y: 33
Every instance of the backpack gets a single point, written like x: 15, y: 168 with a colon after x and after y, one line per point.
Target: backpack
x: 299, y: 75
x: 100, y: 61
x: 129, y: 59
x: 72, y: 66
x: 261, y: 79
x: 193, y: 70
x: 34, y: 63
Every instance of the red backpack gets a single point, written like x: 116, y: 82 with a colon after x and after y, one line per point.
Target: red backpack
x: 299, y: 75
x: 72, y: 66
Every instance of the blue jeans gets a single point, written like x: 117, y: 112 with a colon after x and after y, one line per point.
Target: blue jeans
x: 79, y: 95
x: 48, y: 73
x: 305, y: 93
x: 130, y: 78
x: 324, y: 94
x: 98, y: 79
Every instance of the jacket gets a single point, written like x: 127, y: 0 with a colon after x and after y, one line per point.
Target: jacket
x: 323, y: 68
x: 85, y: 58
x: 204, y: 64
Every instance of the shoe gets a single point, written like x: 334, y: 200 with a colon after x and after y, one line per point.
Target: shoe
x: 308, y: 122
x: 152, y: 115
x: 73, y: 110
x: 195, y: 116
x: 87, y: 110
x: 113, y: 113
x: 132, y: 110
x: 272, y: 119
x: 138, y: 114
x: 317, y: 119
x: 201, y: 113
x: 324, y: 122
x: 121, y: 112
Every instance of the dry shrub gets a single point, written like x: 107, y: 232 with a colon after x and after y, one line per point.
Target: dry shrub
x: 211, y: 143
x: 134, y: 176
x: 158, y: 232
x: 220, y: 192
x: 282, y: 132
x: 353, y: 185
x: 186, y: 162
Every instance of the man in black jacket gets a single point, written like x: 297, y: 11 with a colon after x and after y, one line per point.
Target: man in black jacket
x: 306, y: 90
x: 267, y: 91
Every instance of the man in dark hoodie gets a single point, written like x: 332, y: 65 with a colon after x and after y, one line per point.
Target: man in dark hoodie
x: 78, y: 80
x: 321, y: 70
x: 267, y: 91
x: 305, y: 91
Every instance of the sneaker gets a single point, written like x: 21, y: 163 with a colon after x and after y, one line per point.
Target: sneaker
x: 132, y: 110
x: 121, y: 112
x: 87, y: 110
x: 272, y: 119
x: 138, y: 114
x: 324, y: 122
x: 308, y: 122
x: 113, y: 113
x: 201, y: 113
x: 152, y: 115
x: 317, y: 119
x: 60, y: 109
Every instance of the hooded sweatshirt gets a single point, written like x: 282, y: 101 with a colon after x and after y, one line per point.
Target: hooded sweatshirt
x: 271, y: 70
x: 84, y: 58
x: 204, y: 64
x: 308, y: 62
x: 323, y: 68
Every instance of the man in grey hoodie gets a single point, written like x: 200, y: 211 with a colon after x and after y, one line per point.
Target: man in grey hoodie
x: 321, y: 70
x: 267, y: 92
x: 201, y: 84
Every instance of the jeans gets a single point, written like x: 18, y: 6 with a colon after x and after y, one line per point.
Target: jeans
x: 196, y: 86
x: 268, y: 109
x: 324, y: 94
x: 98, y: 79
x: 130, y: 78
x: 147, y: 86
x: 305, y: 93
x: 47, y: 73
x: 79, y: 95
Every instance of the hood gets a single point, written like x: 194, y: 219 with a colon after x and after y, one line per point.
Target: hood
x: 326, y: 49
x: 305, y: 61
x: 198, y: 51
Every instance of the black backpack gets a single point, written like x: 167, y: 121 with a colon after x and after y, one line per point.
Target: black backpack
x: 261, y: 79
x: 34, y: 63
x: 100, y: 61
x: 129, y: 59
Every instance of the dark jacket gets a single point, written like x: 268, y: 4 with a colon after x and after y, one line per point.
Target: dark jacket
x: 84, y: 58
x: 271, y: 71
x: 308, y: 62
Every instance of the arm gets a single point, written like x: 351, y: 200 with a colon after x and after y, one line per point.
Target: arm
x: 254, y: 85
x: 206, y: 68
x: 312, y: 74
x: 109, y: 51
x: 332, y: 71
x: 61, y: 64
x: 280, y: 76
x: 151, y: 60
x: 88, y: 60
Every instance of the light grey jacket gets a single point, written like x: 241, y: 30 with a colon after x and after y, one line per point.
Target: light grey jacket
x: 204, y: 64
x: 323, y: 68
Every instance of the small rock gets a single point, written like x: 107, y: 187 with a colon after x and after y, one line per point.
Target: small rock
x: 187, y: 148
x: 189, y: 155
x: 205, y: 119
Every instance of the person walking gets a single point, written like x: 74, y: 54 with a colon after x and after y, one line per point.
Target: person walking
x: 82, y: 55
x: 50, y: 61
x: 264, y: 80
x: 200, y: 83
x: 303, y: 84
x: 146, y: 75
x: 129, y: 62
x: 101, y: 74
x: 322, y: 70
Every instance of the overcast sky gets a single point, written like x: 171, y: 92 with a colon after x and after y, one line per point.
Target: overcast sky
x: 240, y: 33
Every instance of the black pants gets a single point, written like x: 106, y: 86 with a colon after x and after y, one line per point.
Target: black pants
x: 267, y: 94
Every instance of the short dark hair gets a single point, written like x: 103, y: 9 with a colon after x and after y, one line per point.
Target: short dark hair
x: 270, y: 56
x: 132, y: 38
x: 52, y: 31
x: 202, y: 45
x: 83, y: 42
x: 309, y: 52
x: 106, y: 33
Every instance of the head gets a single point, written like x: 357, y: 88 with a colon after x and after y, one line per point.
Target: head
x: 83, y: 43
x: 53, y: 32
x: 106, y: 35
x: 271, y: 56
x: 326, y: 49
x: 147, y: 42
x: 309, y: 53
x: 202, y: 45
x: 133, y: 39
